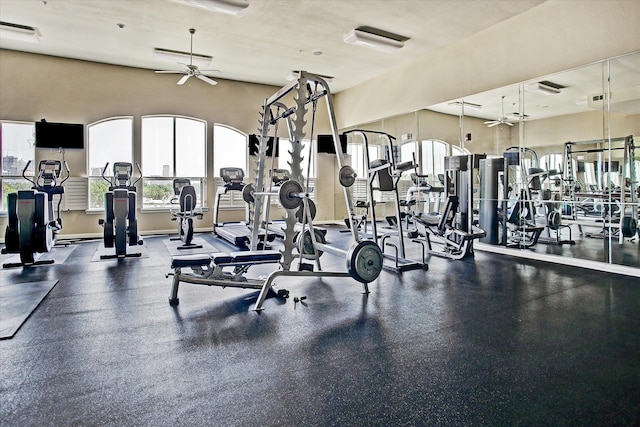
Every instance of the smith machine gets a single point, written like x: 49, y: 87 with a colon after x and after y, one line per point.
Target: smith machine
x: 617, y: 208
x: 364, y: 259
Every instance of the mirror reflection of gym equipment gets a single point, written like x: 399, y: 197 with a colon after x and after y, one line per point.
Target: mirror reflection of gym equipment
x: 383, y: 175
x: 605, y: 199
x: 454, y: 230
x: 33, y: 223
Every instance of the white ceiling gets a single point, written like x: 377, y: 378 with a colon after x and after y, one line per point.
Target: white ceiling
x: 271, y: 38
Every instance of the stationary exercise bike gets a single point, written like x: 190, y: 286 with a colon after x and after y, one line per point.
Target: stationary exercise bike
x: 120, y: 223
x: 186, y: 197
x: 32, y: 228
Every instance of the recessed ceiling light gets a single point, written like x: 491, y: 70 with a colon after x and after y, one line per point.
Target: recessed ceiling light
x: 375, y: 38
x: 230, y: 7
x: 545, y: 87
x: 294, y: 74
x: 19, y: 32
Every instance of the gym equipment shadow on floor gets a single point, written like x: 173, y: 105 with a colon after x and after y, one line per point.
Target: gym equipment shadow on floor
x: 173, y: 245
x: 18, y: 301
x: 58, y: 254
x: 141, y: 249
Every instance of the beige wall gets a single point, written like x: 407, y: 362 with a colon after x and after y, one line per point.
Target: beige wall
x: 33, y: 87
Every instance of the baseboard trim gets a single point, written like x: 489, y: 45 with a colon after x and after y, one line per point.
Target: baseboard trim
x: 573, y: 262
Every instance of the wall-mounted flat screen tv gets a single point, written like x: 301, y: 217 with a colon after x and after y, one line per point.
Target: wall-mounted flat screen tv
x: 68, y: 136
x: 254, y: 145
x: 325, y: 144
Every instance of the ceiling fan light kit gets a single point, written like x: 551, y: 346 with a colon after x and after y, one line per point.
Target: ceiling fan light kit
x: 229, y: 7
x: 501, y: 121
x: 375, y: 38
x: 191, y: 70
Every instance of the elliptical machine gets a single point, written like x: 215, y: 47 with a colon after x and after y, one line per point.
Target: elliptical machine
x: 120, y: 223
x: 187, y: 199
x: 32, y: 228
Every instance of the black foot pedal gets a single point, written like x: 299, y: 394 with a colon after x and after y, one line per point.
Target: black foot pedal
x: 305, y: 267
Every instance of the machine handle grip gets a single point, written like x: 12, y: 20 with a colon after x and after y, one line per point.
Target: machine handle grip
x: 140, y: 172
x: 66, y: 166
x: 24, y: 173
x: 103, y: 172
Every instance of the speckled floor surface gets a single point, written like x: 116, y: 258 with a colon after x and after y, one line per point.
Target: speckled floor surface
x: 490, y: 340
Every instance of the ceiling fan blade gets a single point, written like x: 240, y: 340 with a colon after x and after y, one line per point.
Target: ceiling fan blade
x: 488, y: 122
x: 209, y: 71
x: 490, y: 125
x: 507, y: 123
x: 183, y: 79
x: 168, y: 72
x: 206, y: 79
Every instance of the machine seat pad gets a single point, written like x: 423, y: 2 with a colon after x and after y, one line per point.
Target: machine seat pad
x: 220, y: 258
x: 428, y: 220
x: 255, y: 257
x: 195, y: 260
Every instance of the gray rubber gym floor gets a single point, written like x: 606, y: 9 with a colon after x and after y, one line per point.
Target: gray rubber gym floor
x: 490, y: 340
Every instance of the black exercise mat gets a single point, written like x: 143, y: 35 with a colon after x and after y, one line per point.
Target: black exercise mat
x: 141, y: 249
x: 57, y: 254
x: 173, y: 245
x: 18, y: 301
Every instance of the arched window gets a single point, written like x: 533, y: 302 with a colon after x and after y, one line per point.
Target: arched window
x: 229, y: 150
x: 172, y: 147
x: 17, y: 148
x: 109, y: 140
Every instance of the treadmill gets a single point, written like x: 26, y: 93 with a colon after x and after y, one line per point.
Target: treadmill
x: 237, y: 233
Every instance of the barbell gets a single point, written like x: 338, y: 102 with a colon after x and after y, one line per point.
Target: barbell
x: 364, y: 259
x: 290, y: 194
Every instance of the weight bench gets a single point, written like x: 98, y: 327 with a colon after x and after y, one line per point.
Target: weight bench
x: 208, y: 270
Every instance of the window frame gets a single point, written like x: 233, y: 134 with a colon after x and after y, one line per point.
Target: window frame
x: 199, y: 182
x: 91, y: 178
x: 18, y: 176
x: 232, y: 200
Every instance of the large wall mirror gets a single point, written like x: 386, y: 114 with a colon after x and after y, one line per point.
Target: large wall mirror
x: 561, y: 172
x: 562, y: 159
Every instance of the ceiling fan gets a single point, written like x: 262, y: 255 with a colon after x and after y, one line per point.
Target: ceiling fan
x: 190, y: 69
x: 501, y: 121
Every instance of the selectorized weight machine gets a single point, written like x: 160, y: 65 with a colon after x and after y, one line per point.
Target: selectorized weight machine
x: 32, y: 227
x: 120, y: 223
x: 453, y: 231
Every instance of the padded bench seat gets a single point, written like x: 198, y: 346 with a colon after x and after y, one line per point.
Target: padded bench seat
x: 195, y: 260
x: 223, y: 259
x: 252, y: 257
